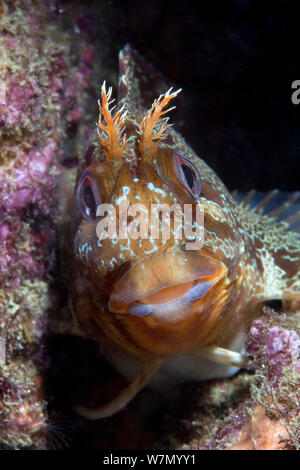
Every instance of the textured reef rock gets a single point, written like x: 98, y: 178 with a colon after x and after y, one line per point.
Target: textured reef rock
x: 274, y: 342
x: 260, y: 410
x: 42, y: 86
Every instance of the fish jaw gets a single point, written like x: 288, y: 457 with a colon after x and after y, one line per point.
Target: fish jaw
x: 164, y: 333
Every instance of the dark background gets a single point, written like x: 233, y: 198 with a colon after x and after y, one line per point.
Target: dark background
x: 235, y: 60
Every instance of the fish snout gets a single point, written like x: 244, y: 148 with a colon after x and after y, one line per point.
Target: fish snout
x: 165, y: 285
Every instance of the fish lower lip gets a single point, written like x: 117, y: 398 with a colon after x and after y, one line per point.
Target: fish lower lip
x: 195, y: 293
x: 166, y: 283
x: 141, y: 310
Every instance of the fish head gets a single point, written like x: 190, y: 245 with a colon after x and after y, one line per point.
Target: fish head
x: 148, y: 229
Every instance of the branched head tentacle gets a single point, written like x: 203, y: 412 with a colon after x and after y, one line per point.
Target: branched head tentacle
x: 153, y: 127
x: 111, y: 128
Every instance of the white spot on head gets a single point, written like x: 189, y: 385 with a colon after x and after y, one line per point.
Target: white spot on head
x: 157, y: 190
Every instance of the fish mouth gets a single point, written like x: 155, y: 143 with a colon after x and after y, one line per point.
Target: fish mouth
x: 166, y: 285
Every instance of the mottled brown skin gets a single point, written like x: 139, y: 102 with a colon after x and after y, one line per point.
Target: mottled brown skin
x: 245, y: 255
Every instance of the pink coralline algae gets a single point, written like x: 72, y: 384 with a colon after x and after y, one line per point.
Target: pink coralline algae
x: 276, y: 347
x: 42, y: 89
x: 272, y: 419
x: 17, y: 96
x: 274, y: 342
x: 32, y: 176
x: 251, y: 411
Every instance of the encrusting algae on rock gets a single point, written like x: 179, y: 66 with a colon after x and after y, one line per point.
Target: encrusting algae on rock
x: 257, y: 411
x: 39, y: 91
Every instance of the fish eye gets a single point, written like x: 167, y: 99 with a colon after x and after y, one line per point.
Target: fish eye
x: 188, y: 174
x: 87, y: 196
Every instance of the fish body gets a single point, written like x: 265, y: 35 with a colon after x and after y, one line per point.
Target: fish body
x: 148, y: 298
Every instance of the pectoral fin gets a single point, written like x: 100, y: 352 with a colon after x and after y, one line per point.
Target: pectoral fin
x: 224, y: 356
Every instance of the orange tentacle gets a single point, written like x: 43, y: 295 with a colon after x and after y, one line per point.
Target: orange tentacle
x: 111, y: 128
x: 153, y: 127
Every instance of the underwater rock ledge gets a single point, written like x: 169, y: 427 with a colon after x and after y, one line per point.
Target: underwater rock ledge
x: 251, y: 411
